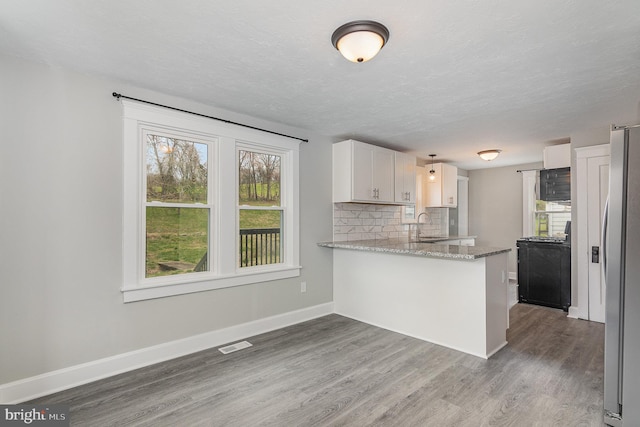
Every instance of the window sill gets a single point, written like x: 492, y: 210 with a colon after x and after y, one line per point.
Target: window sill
x: 132, y: 293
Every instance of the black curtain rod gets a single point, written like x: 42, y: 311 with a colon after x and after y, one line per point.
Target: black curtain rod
x: 528, y: 170
x: 118, y: 96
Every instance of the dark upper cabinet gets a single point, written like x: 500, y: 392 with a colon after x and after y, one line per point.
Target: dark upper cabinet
x: 555, y: 184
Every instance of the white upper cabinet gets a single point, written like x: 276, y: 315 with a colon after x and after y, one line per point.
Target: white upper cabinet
x: 442, y: 191
x: 405, y: 182
x: 362, y: 173
x: 557, y: 156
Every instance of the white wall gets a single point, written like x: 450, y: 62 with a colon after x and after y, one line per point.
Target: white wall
x: 60, y: 229
x: 495, y: 207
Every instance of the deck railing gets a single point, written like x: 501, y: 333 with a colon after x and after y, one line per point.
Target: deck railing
x: 259, y: 246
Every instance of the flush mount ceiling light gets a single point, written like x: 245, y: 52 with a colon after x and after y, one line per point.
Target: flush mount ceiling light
x: 432, y: 172
x: 489, y: 155
x: 359, y: 41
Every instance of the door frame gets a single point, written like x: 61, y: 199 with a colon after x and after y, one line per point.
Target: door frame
x: 582, y: 254
x: 463, y: 205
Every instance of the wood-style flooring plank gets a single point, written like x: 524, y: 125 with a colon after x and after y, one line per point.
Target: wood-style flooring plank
x: 335, y: 371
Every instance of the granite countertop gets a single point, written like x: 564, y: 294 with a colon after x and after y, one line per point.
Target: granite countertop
x: 429, y: 250
x: 433, y: 239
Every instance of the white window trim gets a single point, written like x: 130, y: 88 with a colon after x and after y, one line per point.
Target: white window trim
x: 286, y: 200
x: 528, y: 202
x: 224, y: 220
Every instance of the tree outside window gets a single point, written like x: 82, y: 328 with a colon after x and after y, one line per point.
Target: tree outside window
x: 260, y: 208
x: 177, y: 218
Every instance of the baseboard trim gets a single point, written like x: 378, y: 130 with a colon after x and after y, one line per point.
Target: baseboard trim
x: 574, y: 312
x: 62, y: 379
x: 456, y: 348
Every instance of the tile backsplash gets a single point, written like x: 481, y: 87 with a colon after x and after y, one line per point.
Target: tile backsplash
x: 360, y: 221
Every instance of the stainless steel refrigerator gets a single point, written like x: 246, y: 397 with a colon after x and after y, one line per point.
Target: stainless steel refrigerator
x: 622, y: 274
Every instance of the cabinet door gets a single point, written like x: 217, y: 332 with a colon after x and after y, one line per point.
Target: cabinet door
x: 405, y: 178
x: 383, y: 174
x: 467, y: 242
x: 555, y: 184
x: 432, y: 189
x: 454, y: 242
x: 449, y: 185
x: 362, y: 178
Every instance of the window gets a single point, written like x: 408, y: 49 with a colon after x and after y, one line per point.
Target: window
x: 539, y: 217
x: 177, y: 204
x: 260, y: 210
x: 207, y: 205
x: 551, y: 218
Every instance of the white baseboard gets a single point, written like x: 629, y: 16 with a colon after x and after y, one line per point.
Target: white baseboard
x: 574, y: 312
x: 62, y: 379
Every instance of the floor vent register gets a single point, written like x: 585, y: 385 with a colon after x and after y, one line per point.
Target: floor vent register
x: 235, y: 347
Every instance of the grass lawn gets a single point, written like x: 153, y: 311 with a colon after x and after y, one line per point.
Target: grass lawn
x: 188, y: 243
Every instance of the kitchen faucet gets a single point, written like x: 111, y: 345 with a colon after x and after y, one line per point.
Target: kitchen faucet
x: 418, y: 223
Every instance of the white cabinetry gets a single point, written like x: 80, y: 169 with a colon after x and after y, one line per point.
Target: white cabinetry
x: 557, y: 156
x: 405, y: 181
x: 362, y: 173
x: 441, y: 192
x: 458, y: 242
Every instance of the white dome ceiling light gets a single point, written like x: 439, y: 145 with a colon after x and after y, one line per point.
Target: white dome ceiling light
x: 489, y: 155
x: 359, y: 41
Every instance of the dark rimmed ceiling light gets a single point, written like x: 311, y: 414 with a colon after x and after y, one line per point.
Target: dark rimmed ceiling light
x: 489, y: 155
x: 359, y: 41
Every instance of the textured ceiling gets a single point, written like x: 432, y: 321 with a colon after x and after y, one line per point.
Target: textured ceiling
x: 456, y: 77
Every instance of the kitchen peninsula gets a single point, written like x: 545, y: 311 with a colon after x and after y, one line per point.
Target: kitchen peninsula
x: 451, y: 295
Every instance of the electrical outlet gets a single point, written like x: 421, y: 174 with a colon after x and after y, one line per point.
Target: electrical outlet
x: 303, y: 286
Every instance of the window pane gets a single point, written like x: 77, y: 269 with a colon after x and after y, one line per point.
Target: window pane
x: 260, y: 237
x: 177, y: 240
x: 259, y: 179
x: 176, y: 170
x: 551, y: 218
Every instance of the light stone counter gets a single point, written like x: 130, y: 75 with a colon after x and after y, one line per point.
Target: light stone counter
x: 431, y: 250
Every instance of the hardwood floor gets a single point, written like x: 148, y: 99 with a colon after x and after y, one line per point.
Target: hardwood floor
x: 334, y: 371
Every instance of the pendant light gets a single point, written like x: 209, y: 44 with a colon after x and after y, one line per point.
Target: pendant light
x: 359, y: 41
x: 489, y: 155
x: 432, y: 172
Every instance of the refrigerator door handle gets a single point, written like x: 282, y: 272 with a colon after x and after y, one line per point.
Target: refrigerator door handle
x: 603, y: 238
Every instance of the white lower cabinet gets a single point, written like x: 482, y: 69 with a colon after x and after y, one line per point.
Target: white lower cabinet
x: 459, y: 242
x: 467, y: 242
